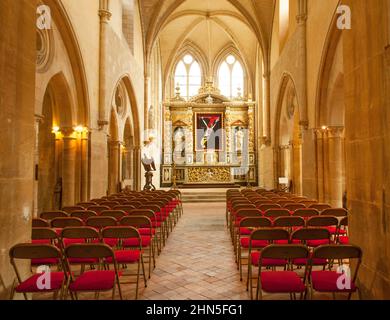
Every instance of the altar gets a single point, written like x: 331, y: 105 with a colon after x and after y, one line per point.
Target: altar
x: 208, y: 140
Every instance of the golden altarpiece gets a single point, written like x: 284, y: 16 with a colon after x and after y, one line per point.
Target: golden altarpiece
x: 208, y: 140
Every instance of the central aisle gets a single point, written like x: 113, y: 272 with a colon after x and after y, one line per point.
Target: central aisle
x: 197, y: 261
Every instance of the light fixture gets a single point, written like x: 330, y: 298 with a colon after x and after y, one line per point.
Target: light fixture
x: 56, y: 129
x: 324, y: 128
x: 80, y: 129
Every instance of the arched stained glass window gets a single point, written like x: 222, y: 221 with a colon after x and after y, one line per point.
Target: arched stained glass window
x: 188, y: 76
x: 231, y: 77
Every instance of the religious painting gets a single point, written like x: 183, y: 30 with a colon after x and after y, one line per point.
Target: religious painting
x: 209, y: 131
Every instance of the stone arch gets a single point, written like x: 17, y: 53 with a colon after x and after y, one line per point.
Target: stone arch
x: 287, y: 136
x: 61, y: 19
x: 330, y: 121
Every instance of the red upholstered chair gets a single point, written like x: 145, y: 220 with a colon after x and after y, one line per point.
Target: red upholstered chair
x: 241, y: 213
x: 257, y: 241
x: 308, y: 203
x: 246, y: 226
x: 96, y: 280
x: 70, y: 209
x: 336, y: 212
x: 290, y: 224
x: 49, y: 215
x: 298, y: 199
x: 45, y: 235
x: 148, y: 237
x: 98, y: 209
x: 101, y: 222
x: 116, y: 214
x: 284, y: 281
x: 156, y: 225
x: 282, y: 202
x: 79, y: 235
x: 311, y: 237
x: 320, y: 206
x: 40, y: 223
x: 342, y: 232
x: 42, y: 252
x: 129, y: 255
x: 83, y: 215
x: 334, y: 281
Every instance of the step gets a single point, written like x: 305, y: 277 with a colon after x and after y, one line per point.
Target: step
x: 197, y: 197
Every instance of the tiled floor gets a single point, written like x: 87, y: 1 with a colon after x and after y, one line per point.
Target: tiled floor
x: 198, y: 260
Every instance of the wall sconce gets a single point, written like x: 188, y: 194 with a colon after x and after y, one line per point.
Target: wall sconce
x: 324, y: 128
x: 55, y: 129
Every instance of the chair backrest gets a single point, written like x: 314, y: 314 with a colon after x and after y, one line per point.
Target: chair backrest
x: 135, y: 204
x: 255, y: 222
x: 288, y: 251
x: 101, y: 222
x: 297, y: 199
x: 294, y: 206
x: 275, y: 213
x: 239, y: 207
x: 336, y: 252
x: 98, y: 209
x: 282, y: 202
x: 30, y: 251
x: 49, y: 215
x: 320, y: 206
x: 311, y: 234
x: 39, y: 223
x: 136, y: 222
x: 288, y: 222
x: 125, y: 208
x: 44, y: 233
x: 70, y: 209
x: 308, y: 203
x: 265, y: 207
x: 337, y: 212
x: 250, y: 212
x: 343, y: 222
x: 322, y: 221
x: 154, y: 208
x: 271, y: 234
x: 143, y: 212
x: 80, y: 233
x: 83, y: 215
x: 85, y: 205
x: 89, y: 250
x: 117, y: 214
x: 121, y: 232
x: 66, y: 222
x: 306, y: 212
x: 110, y: 204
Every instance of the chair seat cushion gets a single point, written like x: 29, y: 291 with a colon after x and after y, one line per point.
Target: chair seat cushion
x: 94, y: 281
x: 83, y: 260
x: 255, y: 243
x: 255, y: 259
x: 146, y: 231
x: 41, y: 241
x: 295, y: 241
x: 317, y: 243
x: 315, y: 262
x: 31, y: 284
x: 281, y: 282
x: 326, y: 281
x: 126, y: 256
x: 68, y: 241
x: 344, y: 240
x: 44, y: 262
x: 134, y: 242
x: 333, y: 230
x: 112, y: 242
x: 245, y: 231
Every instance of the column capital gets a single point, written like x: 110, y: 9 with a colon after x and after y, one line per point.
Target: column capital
x: 39, y: 118
x: 104, y: 15
x: 335, y: 132
x: 67, y: 133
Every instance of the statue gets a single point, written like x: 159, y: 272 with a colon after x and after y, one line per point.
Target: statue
x: 239, y: 139
x: 149, y: 165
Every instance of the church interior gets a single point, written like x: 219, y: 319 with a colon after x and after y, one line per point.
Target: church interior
x: 195, y: 150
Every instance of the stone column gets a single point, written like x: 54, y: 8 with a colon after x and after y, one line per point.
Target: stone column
x: 114, y: 162
x: 296, y: 166
x: 69, y: 160
x: 137, y: 168
x: 17, y: 96
x: 105, y: 16
x: 84, y: 150
x: 38, y: 121
x: 335, y: 160
x: 319, y: 133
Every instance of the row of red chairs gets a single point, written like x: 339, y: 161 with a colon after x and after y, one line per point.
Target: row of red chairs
x: 125, y: 230
x: 253, y: 230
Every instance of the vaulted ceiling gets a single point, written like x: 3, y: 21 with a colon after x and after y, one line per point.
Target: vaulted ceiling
x: 210, y: 25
